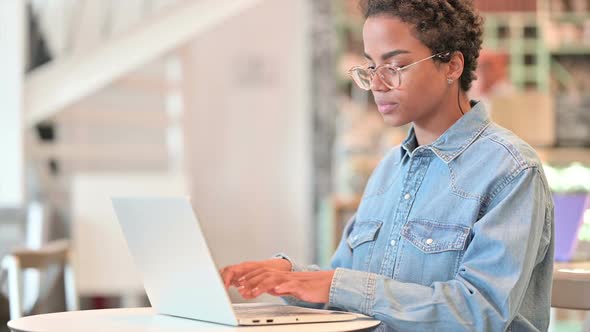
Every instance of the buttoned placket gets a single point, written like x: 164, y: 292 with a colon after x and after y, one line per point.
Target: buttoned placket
x: 418, y: 163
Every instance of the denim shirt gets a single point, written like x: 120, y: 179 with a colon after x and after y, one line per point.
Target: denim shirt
x: 456, y: 235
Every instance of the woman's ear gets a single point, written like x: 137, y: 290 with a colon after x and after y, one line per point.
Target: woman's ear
x: 455, y: 68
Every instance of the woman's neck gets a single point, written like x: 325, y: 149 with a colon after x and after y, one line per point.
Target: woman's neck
x: 431, y: 127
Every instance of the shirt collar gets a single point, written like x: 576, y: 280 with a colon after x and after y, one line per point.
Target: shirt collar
x: 457, y: 138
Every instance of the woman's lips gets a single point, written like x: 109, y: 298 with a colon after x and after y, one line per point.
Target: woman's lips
x: 386, y: 108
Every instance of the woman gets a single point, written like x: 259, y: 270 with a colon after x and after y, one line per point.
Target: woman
x: 455, y: 228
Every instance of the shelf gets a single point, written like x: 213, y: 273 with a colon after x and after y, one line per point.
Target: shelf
x: 515, y: 45
x: 570, y: 50
x: 564, y: 156
x: 570, y: 17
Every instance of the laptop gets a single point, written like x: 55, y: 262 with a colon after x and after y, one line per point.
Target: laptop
x: 179, y: 276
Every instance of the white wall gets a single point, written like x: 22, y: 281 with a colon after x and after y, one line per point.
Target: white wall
x: 102, y: 263
x: 248, y: 134
x: 12, y: 32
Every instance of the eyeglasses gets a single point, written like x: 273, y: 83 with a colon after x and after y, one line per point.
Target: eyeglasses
x: 388, y: 74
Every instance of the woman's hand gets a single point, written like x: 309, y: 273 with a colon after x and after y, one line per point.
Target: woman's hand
x: 231, y: 274
x: 307, y: 286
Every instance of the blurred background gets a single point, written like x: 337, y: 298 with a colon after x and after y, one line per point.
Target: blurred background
x: 244, y: 106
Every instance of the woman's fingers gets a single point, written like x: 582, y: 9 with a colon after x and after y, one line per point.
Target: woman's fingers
x: 234, y: 275
x: 262, y: 276
x: 263, y: 281
x: 253, y: 276
x: 306, y: 286
x: 268, y: 284
x: 227, y: 276
x: 231, y: 274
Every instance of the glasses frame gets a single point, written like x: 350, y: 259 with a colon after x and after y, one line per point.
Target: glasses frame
x: 398, y: 70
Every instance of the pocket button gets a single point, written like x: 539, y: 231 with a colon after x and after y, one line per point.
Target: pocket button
x: 429, y: 241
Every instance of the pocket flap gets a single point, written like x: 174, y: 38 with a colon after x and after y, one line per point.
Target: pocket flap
x: 362, y: 232
x: 433, y: 237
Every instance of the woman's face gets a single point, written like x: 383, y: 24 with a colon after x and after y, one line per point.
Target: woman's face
x: 423, y: 86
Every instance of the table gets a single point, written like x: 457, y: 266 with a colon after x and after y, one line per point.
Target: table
x: 146, y: 319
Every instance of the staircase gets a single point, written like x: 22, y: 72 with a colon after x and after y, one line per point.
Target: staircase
x: 113, y: 97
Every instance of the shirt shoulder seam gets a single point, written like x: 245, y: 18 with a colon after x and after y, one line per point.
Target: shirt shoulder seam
x: 500, y: 187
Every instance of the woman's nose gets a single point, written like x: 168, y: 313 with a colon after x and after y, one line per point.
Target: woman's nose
x: 377, y: 84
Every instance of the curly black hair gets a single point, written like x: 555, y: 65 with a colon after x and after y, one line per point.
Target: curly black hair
x: 441, y: 25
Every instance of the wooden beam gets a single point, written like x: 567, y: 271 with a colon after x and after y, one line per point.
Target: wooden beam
x: 96, y: 153
x: 97, y: 118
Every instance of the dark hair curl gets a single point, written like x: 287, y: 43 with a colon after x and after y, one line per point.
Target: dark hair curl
x: 441, y: 25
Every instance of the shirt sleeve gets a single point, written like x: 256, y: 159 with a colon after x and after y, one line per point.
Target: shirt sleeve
x: 485, y: 295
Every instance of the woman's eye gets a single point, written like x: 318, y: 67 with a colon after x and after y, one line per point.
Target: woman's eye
x: 371, y: 67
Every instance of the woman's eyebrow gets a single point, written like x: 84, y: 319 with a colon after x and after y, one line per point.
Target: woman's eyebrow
x: 387, y: 55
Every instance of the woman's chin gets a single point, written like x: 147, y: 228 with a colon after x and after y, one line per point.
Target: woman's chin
x: 394, y: 120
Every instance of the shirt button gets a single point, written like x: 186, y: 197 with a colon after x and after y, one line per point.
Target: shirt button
x: 392, y: 243
x: 407, y: 196
x: 429, y: 241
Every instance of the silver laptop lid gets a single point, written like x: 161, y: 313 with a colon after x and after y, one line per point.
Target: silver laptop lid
x: 170, y: 252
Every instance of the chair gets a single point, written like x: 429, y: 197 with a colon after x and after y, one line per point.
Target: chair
x: 571, y: 288
x: 55, y: 252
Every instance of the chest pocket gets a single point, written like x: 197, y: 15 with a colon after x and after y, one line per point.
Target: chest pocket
x: 430, y: 251
x: 361, y: 241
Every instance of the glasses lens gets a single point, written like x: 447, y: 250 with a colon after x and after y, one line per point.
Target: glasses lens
x: 389, y: 76
x: 361, y: 77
